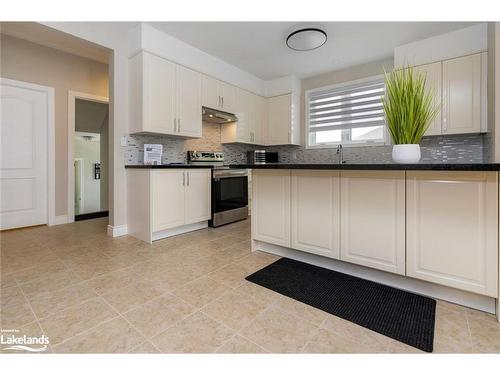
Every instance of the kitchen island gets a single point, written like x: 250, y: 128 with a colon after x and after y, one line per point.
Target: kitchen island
x: 428, y: 228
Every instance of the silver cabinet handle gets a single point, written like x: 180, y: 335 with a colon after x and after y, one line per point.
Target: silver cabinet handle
x: 183, y: 178
x: 187, y: 178
x: 222, y: 102
x: 175, y: 125
x: 178, y: 124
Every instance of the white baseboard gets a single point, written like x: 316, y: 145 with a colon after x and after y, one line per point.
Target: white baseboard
x: 61, y: 219
x: 117, y: 231
x: 445, y: 293
x: 179, y: 230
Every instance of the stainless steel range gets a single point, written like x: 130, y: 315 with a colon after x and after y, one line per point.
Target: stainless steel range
x: 229, y: 188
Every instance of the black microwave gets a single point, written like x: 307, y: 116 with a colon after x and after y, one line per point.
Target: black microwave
x: 262, y: 157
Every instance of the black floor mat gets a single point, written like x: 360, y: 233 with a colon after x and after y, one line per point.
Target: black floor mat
x: 403, y: 316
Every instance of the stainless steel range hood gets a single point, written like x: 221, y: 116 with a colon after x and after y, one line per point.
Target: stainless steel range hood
x: 217, y: 117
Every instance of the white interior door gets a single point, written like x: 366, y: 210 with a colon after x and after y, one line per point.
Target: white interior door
x: 24, y: 156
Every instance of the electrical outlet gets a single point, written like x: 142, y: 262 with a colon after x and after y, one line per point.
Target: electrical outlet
x: 123, y: 141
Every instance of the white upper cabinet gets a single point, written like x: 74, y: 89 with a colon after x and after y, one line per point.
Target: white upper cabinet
x: 228, y: 94
x: 459, y: 85
x: 219, y: 95
x: 433, y: 83
x: 462, y: 95
x: 152, y: 94
x: 452, y: 229
x: 189, y: 102
x: 165, y: 98
x: 283, y: 120
x: 251, y: 112
x: 372, y: 211
x: 211, y: 92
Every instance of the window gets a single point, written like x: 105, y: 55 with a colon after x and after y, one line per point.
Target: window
x: 350, y: 113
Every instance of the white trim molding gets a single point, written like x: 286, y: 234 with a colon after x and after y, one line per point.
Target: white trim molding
x: 61, y: 219
x: 72, y: 96
x: 51, y: 142
x: 117, y: 231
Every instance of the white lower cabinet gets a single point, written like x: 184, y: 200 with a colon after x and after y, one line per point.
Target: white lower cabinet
x: 167, y: 198
x: 372, y: 212
x: 197, y: 195
x: 315, y: 211
x: 179, y: 197
x: 452, y: 229
x: 271, y: 206
x: 437, y: 226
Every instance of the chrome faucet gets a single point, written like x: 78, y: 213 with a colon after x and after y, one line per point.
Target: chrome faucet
x: 340, y: 153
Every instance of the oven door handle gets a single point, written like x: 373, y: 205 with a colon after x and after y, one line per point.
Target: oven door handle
x: 226, y: 174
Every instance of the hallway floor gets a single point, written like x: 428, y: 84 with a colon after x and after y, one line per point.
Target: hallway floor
x: 91, y: 293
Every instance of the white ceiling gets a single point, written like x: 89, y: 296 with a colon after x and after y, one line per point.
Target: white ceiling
x: 259, y: 47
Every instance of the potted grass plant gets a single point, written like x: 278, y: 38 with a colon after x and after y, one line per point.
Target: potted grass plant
x: 409, y: 110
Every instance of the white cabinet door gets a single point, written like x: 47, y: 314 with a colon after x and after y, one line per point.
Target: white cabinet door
x: 228, y: 94
x: 452, y: 229
x: 24, y: 131
x: 244, y: 114
x: 198, y: 195
x: 279, y: 122
x: 315, y: 212
x: 433, y: 83
x: 271, y: 206
x: 211, y: 96
x: 159, y: 94
x: 189, y: 103
x: 372, y: 211
x: 462, y: 95
x: 256, y: 120
x: 167, y: 198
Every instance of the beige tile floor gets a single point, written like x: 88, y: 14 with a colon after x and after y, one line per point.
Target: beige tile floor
x: 92, y: 293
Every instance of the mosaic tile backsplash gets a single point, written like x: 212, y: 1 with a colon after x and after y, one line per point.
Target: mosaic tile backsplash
x: 470, y: 148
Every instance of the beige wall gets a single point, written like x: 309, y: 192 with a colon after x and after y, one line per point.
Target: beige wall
x: 25, y: 61
x: 349, y: 74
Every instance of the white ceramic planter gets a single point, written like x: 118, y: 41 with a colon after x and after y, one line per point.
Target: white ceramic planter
x: 406, y: 154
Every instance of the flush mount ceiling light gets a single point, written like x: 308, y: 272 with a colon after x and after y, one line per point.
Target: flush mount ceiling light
x: 306, y: 39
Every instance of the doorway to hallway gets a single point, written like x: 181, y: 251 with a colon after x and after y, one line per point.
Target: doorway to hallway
x: 89, y: 177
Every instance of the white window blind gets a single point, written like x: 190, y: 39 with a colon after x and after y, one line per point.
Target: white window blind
x: 346, y: 114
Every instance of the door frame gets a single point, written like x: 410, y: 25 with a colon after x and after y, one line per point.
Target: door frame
x: 51, y: 177
x: 72, y: 96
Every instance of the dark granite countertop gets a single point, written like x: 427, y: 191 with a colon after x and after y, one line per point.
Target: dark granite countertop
x: 386, y: 166
x: 166, y: 166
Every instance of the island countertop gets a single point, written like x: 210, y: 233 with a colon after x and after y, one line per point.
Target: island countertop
x: 384, y: 166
